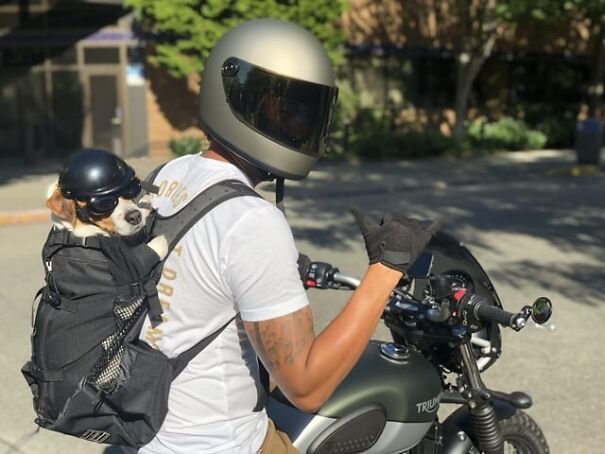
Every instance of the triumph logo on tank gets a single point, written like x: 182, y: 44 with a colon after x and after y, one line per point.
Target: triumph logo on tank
x: 428, y: 406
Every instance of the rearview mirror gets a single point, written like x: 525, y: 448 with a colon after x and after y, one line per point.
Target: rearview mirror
x: 541, y: 310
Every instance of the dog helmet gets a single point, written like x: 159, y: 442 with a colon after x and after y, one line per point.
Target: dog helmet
x: 93, y: 173
x: 267, y: 94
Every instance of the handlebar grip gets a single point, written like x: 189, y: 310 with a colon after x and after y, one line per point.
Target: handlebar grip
x: 489, y: 313
x: 349, y: 281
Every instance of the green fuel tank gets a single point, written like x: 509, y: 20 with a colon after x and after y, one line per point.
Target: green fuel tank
x: 399, y: 379
x: 387, y: 403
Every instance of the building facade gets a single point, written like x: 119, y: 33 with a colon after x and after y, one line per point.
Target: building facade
x: 71, y: 76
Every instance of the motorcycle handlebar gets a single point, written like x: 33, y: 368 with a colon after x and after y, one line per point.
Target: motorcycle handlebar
x: 347, y: 280
x: 483, y: 311
x: 322, y: 275
x: 479, y: 309
x: 489, y: 313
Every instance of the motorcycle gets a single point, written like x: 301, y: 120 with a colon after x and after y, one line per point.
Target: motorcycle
x: 444, y: 319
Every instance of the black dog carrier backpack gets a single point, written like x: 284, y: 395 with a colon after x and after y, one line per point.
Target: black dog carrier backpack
x: 90, y: 375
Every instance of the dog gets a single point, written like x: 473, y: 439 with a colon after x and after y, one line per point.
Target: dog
x: 126, y: 219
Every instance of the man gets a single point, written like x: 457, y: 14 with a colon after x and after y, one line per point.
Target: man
x: 266, y: 101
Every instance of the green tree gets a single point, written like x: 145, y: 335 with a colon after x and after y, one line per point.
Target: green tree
x: 481, y: 24
x: 186, y: 30
x: 593, y: 12
x: 471, y: 29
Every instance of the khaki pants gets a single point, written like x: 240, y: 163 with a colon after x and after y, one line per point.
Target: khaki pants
x: 276, y: 442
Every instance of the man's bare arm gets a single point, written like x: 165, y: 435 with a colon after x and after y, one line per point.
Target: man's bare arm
x: 280, y: 341
x: 308, y: 368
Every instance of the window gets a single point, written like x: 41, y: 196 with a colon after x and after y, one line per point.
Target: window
x: 101, y: 55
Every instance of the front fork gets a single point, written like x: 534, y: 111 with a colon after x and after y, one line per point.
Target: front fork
x: 483, y: 414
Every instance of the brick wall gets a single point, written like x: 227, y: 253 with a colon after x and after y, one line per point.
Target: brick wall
x: 171, y: 109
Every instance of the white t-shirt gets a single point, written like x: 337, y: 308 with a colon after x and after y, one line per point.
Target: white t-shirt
x: 240, y: 258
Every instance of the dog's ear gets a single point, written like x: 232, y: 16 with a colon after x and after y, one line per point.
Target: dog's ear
x: 60, y: 206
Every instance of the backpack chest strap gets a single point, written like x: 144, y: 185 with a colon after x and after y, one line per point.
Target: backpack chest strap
x: 58, y: 238
x: 148, y: 290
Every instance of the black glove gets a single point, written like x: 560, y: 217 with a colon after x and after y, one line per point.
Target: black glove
x: 397, y: 241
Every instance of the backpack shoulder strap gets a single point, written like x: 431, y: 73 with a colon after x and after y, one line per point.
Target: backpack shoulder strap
x: 175, y: 226
x: 180, y: 362
x: 148, y: 182
x: 154, y: 173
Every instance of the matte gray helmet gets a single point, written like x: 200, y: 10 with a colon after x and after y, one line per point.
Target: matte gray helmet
x: 267, y: 94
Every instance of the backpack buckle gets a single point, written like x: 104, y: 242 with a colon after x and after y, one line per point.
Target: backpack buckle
x: 135, y: 289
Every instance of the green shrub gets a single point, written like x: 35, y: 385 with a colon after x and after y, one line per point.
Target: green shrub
x: 556, y: 121
x: 505, y: 134
x: 535, y: 140
x: 187, y: 145
x: 408, y: 144
x: 560, y: 132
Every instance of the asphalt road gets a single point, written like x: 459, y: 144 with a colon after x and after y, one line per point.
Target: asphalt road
x: 535, y: 234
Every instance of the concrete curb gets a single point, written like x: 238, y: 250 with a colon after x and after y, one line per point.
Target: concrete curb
x: 24, y: 217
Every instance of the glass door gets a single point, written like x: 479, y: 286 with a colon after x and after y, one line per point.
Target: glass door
x: 104, y: 79
x: 104, y: 112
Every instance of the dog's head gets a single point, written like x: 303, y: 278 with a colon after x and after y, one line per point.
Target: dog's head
x: 127, y: 218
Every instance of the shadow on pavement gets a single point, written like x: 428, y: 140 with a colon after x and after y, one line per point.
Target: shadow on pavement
x: 566, y: 212
x: 579, y: 283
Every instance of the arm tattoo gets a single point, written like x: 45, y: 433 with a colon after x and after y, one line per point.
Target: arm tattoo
x: 258, y: 344
x: 281, y: 341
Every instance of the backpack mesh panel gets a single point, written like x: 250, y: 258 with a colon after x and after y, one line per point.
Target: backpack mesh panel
x: 106, y: 371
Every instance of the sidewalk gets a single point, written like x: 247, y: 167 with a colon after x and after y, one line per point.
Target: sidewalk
x: 23, y: 190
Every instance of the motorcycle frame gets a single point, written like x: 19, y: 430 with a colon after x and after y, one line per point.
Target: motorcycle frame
x: 475, y: 423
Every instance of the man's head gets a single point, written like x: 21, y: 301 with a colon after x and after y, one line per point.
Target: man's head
x: 267, y: 95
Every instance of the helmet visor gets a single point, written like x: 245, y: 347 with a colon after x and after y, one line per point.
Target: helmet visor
x: 291, y: 112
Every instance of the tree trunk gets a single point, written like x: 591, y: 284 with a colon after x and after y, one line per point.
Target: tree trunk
x: 595, y: 89
x: 463, y: 89
x: 468, y: 69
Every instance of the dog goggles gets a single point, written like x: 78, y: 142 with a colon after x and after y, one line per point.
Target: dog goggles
x: 105, y: 204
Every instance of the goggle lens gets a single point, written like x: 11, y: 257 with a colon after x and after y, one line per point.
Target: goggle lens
x: 132, y: 190
x: 105, y: 204
x: 98, y: 206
